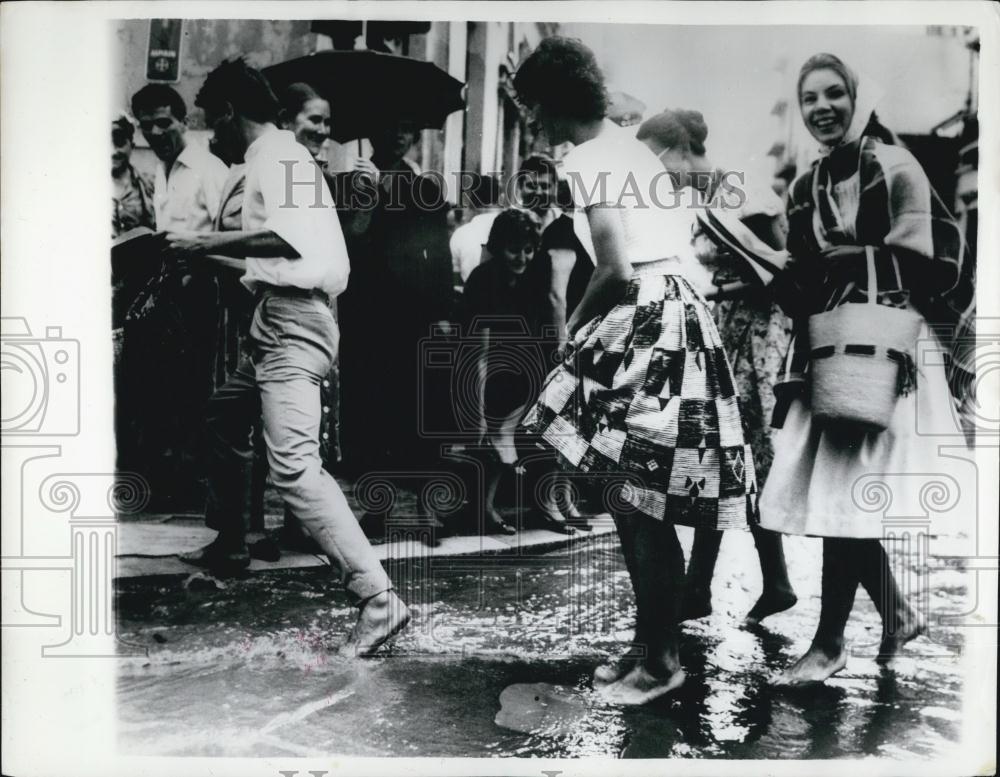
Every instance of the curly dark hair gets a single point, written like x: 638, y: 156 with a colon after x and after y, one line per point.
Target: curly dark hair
x: 540, y: 164
x: 234, y: 83
x: 513, y: 227
x: 562, y: 76
x: 122, y: 130
x: 153, y: 96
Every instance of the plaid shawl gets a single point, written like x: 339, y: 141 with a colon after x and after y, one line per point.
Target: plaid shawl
x: 920, y: 252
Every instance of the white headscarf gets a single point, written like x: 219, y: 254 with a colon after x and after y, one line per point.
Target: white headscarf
x: 866, y: 98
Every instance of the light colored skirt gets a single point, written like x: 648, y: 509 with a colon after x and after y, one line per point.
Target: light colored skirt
x: 831, y: 481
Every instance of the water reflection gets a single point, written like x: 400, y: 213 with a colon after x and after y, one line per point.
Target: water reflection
x: 248, y: 671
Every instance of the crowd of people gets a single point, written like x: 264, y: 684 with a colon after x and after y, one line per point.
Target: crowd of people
x: 669, y: 372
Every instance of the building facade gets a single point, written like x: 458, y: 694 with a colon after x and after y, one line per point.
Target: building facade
x: 489, y: 136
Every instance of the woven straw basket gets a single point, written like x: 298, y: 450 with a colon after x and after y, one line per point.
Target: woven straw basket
x: 856, y: 354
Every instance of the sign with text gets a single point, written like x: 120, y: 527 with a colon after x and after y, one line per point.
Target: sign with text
x: 163, y: 62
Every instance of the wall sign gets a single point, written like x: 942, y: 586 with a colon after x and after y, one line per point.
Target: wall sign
x: 163, y: 61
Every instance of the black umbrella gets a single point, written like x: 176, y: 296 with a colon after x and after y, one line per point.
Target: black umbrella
x: 369, y: 89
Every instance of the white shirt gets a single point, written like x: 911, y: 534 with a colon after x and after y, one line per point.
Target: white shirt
x: 284, y: 186
x: 467, y: 243
x: 188, y: 200
x: 616, y: 170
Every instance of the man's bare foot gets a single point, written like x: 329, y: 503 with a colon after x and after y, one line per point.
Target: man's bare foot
x: 640, y: 686
x: 913, y: 625
x: 222, y: 557
x: 769, y: 603
x: 381, y: 618
x: 814, y: 667
x: 695, y: 604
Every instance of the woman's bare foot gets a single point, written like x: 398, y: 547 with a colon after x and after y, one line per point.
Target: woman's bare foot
x: 815, y: 666
x: 913, y: 625
x: 769, y: 603
x: 640, y: 686
x: 616, y: 669
x: 549, y: 517
x: 569, y: 511
x: 495, y: 523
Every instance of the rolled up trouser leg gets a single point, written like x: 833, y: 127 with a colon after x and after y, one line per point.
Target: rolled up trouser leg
x: 296, y: 340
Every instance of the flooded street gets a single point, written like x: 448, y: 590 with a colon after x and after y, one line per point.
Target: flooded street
x: 497, y: 662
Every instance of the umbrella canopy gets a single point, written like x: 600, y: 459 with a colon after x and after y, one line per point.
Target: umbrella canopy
x: 369, y: 89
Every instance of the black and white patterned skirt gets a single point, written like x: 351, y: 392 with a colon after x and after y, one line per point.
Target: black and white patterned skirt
x: 646, y: 394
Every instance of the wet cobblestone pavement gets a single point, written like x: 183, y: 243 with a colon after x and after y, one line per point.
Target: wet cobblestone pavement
x: 248, y: 670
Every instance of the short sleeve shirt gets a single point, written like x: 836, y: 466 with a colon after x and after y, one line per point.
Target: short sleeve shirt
x: 285, y: 192
x: 618, y: 171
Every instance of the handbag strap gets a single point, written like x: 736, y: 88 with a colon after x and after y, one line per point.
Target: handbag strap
x: 789, y: 357
x: 840, y: 294
x: 872, y: 277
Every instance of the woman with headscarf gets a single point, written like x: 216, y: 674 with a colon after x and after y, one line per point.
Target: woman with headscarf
x: 864, y: 194
x: 644, y: 402
x: 754, y: 330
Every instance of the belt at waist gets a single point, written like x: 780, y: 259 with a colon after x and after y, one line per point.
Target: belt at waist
x: 262, y: 290
x: 670, y: 265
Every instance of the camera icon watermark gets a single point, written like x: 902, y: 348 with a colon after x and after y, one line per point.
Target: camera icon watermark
x: 41, y: 381
x: 972, y: 363
x: 917, y: 512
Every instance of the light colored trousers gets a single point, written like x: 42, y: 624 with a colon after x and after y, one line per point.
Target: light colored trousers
x: 293, y: 341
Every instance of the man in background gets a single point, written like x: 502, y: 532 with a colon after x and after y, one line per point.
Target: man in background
x: 169, y: 337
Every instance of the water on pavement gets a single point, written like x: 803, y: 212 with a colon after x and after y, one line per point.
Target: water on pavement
x: 497, y: 662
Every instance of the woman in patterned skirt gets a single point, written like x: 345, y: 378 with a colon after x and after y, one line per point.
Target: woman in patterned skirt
x: 644, y: 401
x: 864, y: 193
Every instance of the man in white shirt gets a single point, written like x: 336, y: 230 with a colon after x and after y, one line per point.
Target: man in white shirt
x: 170, y: 342
x: 467, y: 241
x: 296, y: 261
x: 189, y: 178
x: 532, y: 188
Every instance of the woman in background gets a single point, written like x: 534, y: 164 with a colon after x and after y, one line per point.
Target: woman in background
x: 307, y: 115
x: 755, y: 333
x: 505, y: 292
